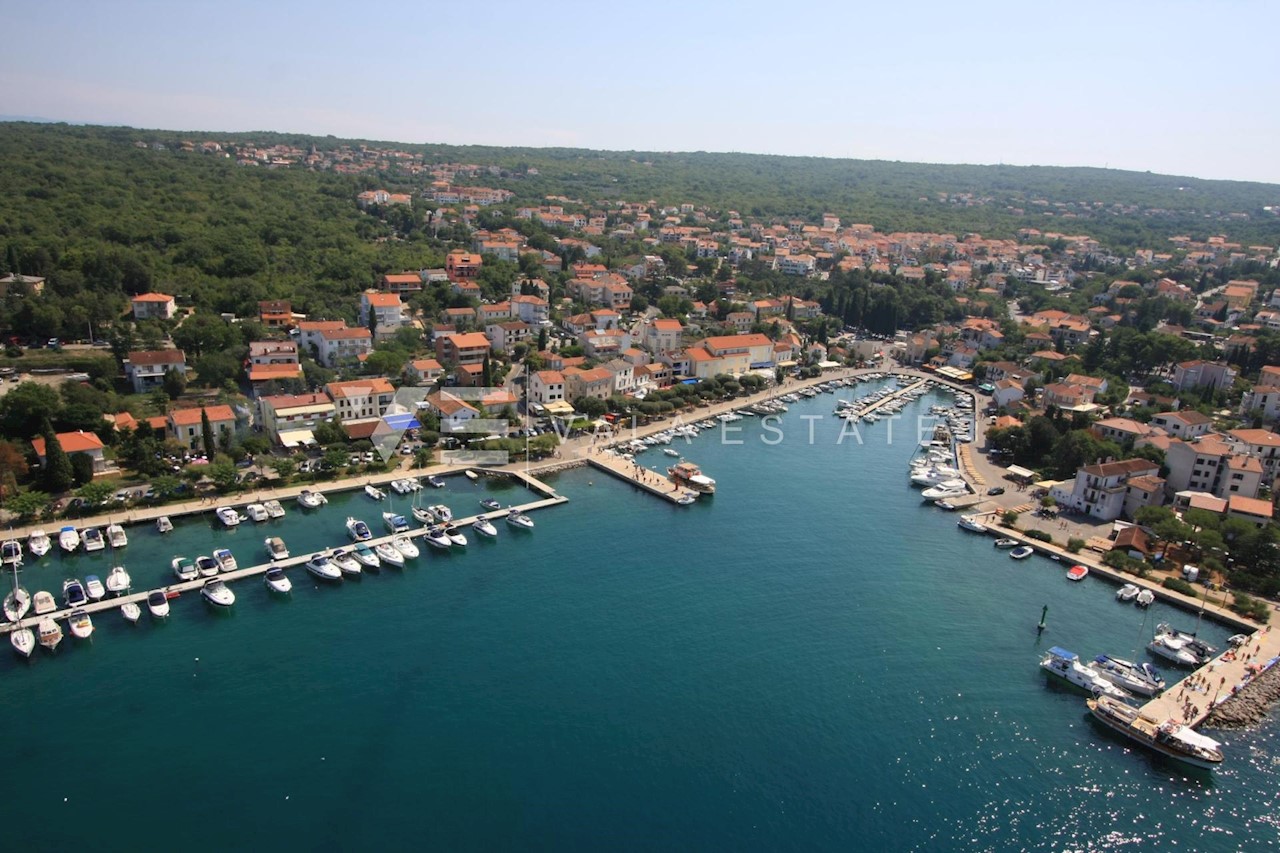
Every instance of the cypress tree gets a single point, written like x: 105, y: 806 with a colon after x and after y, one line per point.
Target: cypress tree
x: 58, y: 475
x: 486, y: 373
x: 206, y: 434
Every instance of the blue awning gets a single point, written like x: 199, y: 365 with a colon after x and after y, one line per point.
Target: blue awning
x: 403, y: 420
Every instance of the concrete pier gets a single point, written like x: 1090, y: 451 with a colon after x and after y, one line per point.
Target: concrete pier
x: 659, y: 485
x: 1191, y: 699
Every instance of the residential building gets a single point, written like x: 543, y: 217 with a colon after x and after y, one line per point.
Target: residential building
x: 271, y: 360
x: 741, y: 352
x: 533, y: 310
x: 1103, y: 490
x: 1264, y: 397
x: 1007, y: 391
x: 291, y: 418
x: 546, y: 386
x: 596, y: 382
x: 361, y: 399
x: 146, y: 369
x: 1261, y: 445
x: 1205, y: 465
x: 73, y: 443
x: 153, y: 306
x: 1123, y: 431
x: 462, y: 348
x: 623, y: 375
x: 309, y: 332
x: 186, y: 426
x: 455, y: 413
x: 1067, y: 396
x: 340, y: 346
x: 462, y: 265
x: 1203, y: 374
x: 275, y: 313
x: 1185, y: 425
x: 503, y: 337
x: 423, y: 371
x: 385, y: 307
x: 400, y: 283
x: 1253, y: 510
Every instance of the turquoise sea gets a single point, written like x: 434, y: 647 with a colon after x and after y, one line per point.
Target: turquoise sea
x: 809, y: 660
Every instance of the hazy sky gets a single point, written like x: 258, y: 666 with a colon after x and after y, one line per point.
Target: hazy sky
x: 1171, y: 86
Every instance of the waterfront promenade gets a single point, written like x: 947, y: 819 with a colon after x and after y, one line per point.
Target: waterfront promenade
x: 1191, y: 699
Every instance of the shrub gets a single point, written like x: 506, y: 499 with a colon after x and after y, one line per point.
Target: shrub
x: 1179, y: 585
x: 1009, y: 519
x: 1249, y: 606
x: 1075, y: 544
x: 1040, y: 535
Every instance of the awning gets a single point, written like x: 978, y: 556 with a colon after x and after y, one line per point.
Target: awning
x: 297, y: 438
x: 559, y: 407
x: 1020, y: 472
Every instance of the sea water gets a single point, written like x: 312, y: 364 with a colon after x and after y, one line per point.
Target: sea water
x: 810, y: 659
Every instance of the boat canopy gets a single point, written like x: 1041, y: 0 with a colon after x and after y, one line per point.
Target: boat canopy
x: 1059, y: 652
x: 1190, y: 736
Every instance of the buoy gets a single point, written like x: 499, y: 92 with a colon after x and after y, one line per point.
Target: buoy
x: 1043, y: 614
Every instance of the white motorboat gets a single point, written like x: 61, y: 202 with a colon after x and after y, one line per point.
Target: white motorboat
x: 484, y: 527
x: 423, y: 515
x: 971, y: 523
x: 1127, y: 593
x: 80, y: 624
x: 1006, y: 543
x: 1145, y: 598
x: 358, y: 530
x: 490, y: 503
x: 945, y: 491
x: 435, y: 482
x: 456, y: 537
x: 23, y: 641
x: 93, y: 587
x: 395, y: 523
x: 1196, y: 646
x: 1067, y: 666
x: 68, y: 540
x: 116, y: 536
x: 164, y: 525
x: 228, y: 516
x: 73, y: 593
x: 38, y: 543
x: 934, y: 476
x: 256, y: 512
x: 43, y: 602
x: 1141, y: 678
x: 10, y: 552
x: 218, y: 593
x: 1022, y: 552
x: 436, y: 538
x: 50, y: 633
x: 92, y: 539
x: 364, y: 556
x: 274, y: 509
x: 158, y: 604
x: 405, y: 546
x: 276, y: 549
x: 312, y: 500
x: 1173, y: 649
x: 518, y: 519
x: 345, y: 561
x: 184, y: 569
x: 388, y: 554
x: 671, y: 452
x: 322, y: 567
x: 441, y: 513
x: 277, y: 581
x: 130, y: 611
x: 206, y: 566
x: 374, y: 492
x: 471, y: 475
x: 118, y: 580
x: 226, y: 560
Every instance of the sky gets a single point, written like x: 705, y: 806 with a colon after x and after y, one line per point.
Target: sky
x: 1177, y: 87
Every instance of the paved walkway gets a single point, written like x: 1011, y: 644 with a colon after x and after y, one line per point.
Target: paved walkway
x: 1190, y: 700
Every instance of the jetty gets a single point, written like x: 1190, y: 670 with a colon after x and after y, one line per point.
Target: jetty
x: 659, y: 485
x: 176, y: 589
x: 894, y: 397
x: 1193, y: 698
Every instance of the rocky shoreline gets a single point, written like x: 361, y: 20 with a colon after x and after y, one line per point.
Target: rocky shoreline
x: 1250, y: 706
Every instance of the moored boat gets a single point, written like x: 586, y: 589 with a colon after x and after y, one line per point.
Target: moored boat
x: 1173, y: 649
x: 484, y: 527
x: 1169, y: 738
x: 322, y: 567
x: 365, y: 556
x: 1067, y: 666
x: 158, y: 603
x: 490, y: 503
x: 388, y: 554
x: 218, y: 593
x: 1145, y: 598
x: 257, y: 512
x: 92, y: 539
x: 228, y: 516
x: 1022, y: 552
x: 1127, y: 593
x: 93, y: 587
x: 43, y: 602
x: 10, y: 552
x: 274, y: 509
x: 277, y: 581
x: 471, y: 475
x: 436, y: 538
x: 405, y: 546
x: 73, y: 594
x: 225, y: 559
x: 345, y: 561
x: 690, y: 476
x: 80, y: 624
x: 1006, y: 543
x: 456, y: 537
x: 38, y: 543
x: 1141, y: 678
x: 276, y: 549
x: 311, y: 500
x: 184, y: 569
x: 374, y: 492
x: 68, y: 539
x: 1077, y: 573
x: 17, y: 602
x: 116, y: 536
x: 118, y: 580
x: 441, y: 513
x: 519, y: 520
x: 394, y: 522
x: 131, y: 611
x: 971, y: 523
x: 23, y: 641
x: 435, y: 482
x: 206, y: 566
x: 164, y: 525
x: 358, y: 530
x: 50, y: 633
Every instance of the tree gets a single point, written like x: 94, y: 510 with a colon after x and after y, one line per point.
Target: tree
x: 94, y: 494
x: 223, y: 474
x: 81, y: 468
x: 24, y: 409
x: 486, y: 372
x: 28, y: 505
x: 592, y: 407
x: 206, y: 434
x: 542, y: 337
x: 13, y: 466
x: 175, y: 382
x: 58, y: 476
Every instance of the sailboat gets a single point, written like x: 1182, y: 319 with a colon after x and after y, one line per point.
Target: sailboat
x: 23, y: 640
x: 17, y: 602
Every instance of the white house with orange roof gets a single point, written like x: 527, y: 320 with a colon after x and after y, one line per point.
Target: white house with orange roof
x: 339, y: 346
x: 290, y: 418
x: 153, y: 306
x: 361, y: 399
x: 423, y: 371
x: 146, y: 369
x: 455, y: 413
x: 187, y: 427
x: 546, y: 386
x: 75, y: 442
x: 386, y: 308
x: 534, y: 310
x: 663, y: 334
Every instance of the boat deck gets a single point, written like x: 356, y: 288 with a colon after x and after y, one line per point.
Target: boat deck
x: 140, y: 598
x: 1216, y: 681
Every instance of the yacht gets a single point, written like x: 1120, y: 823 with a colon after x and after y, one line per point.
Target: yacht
x: 395, y: 523
x: 1173, y: 649
x: 1022, y: 552
x: 10, y: 552
x: 1196, y: 646
x: 225, y: 559
x: 346, y: 563
x: 358, y: 530
x: 1141, y: 678
x: 387, y: 553
x: 1170, y: 738
x: 1077, y: 573
x: 206, y: 566
x: 490, y: 503
x: 365, y: 556
x: 1006, y: 543
x: 276, y: 549
x: 93, y: 587
x: 274, y: 509
x: 50, y: 633
x: 164, y: 525
x: 518, y: 519
x: 68, y: 540
x: 256, y: 512
x: 228, y: 516
x: 374, y: 492
x: 118, y: 580
x: 23, y: 641
x: 43, y: 602
x: 688, y: 475
x: 312, y: 500
x: 442, y: 513
x: 116, y: 536
x: 405, y: 546
x: 38, y: 543
x: 934, y: 476
x: 437, y: 538
x: 423, y: 515
x: 1067, y: 666
x: 218, y: 593
x: 92, y: 538
x: 1127, y: 593
x: 321, y: 567
x: 158, y: 604
x: 277, y: 581
x: 946, y: 490
x: 184, y: 569
x: 971, y: 523
x: 73, y: 593
x: 1145, y: 598
x: 484, y: 527
x: 456, y: 537
x: 435, y: 482
x: 131, y: 611
x: 80, y: 623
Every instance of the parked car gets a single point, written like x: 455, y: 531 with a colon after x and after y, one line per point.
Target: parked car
x: 998, y: 490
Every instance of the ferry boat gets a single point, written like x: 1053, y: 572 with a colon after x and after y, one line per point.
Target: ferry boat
x: 1067, y: 666
x: 1170, y: 738
x: 38, y: 543
x: 690, y: 476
